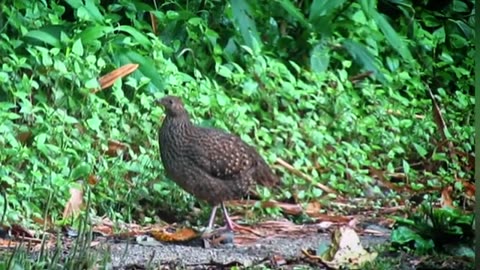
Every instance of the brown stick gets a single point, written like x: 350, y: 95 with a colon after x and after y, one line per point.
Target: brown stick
x: 298, y: 173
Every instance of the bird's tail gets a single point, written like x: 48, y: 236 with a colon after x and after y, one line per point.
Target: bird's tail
x: 263, y: 175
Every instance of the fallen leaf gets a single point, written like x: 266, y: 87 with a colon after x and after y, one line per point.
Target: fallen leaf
x: 446, y: 198
x: 171, y: 234
x: 313, y: 209
x: 153, y: 23
x: 92, y: 180
x: 344, y: 251
x: 103, y: 229
x: 110, y: 78
x: 24, y: 136
x: 75, y: 202
x: 115, y: 148
x: 469, y: 189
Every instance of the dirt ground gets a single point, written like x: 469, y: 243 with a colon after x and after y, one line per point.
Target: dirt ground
x: 176, y: 256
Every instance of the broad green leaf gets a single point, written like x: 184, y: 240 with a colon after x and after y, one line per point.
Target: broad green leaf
x: 147, y: 68
x: 92, y: 83
x: 460, y: 7
x: 137, y: 36
x: 222, y: 100
x: 40, y: 139
x: 60, y: 66
x: 81, y: 171
x: 392, y: 37
x: 3, y: 76
x: 77, y: 47
x: 361, y: 55
x: 223, y: 71
x: 93, y: 33
x: 368, y: 6
x: 289, y: 7
x: 466, y: 30
x: 420, y: 149
x: 406, y: 167
x: 94, y: 123
x: 402, y: 235
x: 88, y: 11
x: 43, y: 36
x: 320, y: 58
x: 74, y: 3
x: 243, y: 19
x: 323, y: 8
x: 69, y: 119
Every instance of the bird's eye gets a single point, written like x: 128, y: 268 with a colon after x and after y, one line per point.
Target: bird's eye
x: 170, y: 102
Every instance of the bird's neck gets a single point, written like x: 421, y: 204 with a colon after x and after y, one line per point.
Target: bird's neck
x: 179, y: 122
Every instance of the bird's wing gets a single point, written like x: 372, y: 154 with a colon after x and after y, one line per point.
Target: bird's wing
x: 222, y: 155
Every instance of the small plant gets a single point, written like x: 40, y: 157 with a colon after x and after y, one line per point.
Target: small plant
x: 441, y: 229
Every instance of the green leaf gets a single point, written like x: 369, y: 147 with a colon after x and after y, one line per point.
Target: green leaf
x: 466, y: 30
x: 147, y: 68
x: 92, y: 84
x: 81, y: 171
x: 420, y: 149
x: 368, y: 7
x: 289, y: 7
x: 223, y: 71
x: 94, y: 123
x: 60, y: 66
x: 243, y: 19
x: 361, y: 55
x: 320, y: 58
x: 402, y: 235
x: 406, y: 167
x: 88, y: 11
x: 3, y: 77
x: 222, y: 99
x: 137, y: 36
x: 77, y: 47
x: 43, y: 36
x: 93, y: 33
x: 40, y: 139
x: 392, y: 37
x: 321, y: 8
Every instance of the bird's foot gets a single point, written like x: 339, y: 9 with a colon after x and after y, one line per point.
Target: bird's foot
x: 234, y: 227
x: 221, y: 237
x: 237, y: 228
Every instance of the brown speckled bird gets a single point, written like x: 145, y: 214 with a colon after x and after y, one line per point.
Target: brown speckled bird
x: 209, y: 163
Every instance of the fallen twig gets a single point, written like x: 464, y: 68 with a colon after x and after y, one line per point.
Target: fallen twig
x: 292, y: 169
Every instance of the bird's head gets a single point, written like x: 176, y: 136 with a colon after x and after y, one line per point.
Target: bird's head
x: 173, y: 106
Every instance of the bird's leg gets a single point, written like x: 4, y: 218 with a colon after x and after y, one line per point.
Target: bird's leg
x: 234, y: 227
x: 228, y: 220
x: 230, y: 224
x: 211, y: 220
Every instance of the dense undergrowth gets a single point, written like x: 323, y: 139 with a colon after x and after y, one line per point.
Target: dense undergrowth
x: 292, y: 80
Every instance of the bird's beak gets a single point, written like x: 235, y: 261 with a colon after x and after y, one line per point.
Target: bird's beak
x: 160, y: 102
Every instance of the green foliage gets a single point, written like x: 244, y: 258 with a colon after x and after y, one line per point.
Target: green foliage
x: 434, y: 228
x: 79, y: 255
x: 280, y: 74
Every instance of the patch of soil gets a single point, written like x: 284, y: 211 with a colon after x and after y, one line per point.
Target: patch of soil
x: 274, y: 251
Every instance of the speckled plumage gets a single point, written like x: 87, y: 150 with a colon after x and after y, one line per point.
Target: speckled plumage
x: 211, y: 164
